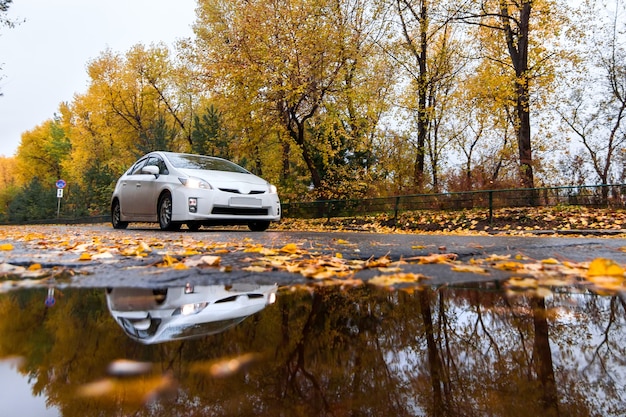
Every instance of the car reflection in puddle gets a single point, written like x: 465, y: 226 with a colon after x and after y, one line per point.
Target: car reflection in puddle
x: 319, y: 350
x: 166, y: 314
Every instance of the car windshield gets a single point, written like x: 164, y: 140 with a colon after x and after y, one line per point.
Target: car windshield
x: 204, y: 162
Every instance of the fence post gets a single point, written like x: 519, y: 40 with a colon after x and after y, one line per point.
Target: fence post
x: 491, y: 207
x: 395, y: 209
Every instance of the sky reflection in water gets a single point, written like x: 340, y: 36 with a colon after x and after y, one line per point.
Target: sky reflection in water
x: 323, y: 351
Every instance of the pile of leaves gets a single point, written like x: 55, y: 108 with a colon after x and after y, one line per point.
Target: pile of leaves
x: 555, y: 220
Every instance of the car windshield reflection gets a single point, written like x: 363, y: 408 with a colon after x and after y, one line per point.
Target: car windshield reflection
x: 157, y: 315
x: 189, y: 161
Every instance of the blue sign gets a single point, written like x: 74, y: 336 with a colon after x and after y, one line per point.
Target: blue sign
x: 61, y: 184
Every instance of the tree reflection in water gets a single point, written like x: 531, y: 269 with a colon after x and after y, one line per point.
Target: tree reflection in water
x: 329, y: 351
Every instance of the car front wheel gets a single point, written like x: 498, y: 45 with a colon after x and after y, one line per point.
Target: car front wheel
x: 164, y: 209
x: 116, y: 216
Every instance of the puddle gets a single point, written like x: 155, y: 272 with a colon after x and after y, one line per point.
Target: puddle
x: 314, y: 351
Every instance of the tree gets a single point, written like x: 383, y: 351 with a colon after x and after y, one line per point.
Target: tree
x: 524, y: 46
x: 278, y: 71
x: 597, y: 118
x: 41, y: 153
x: 135, y: 94
x: 429, y: 55
x: 481, y: 130
x: 208, y: 135
x: 35, y: 201
x: 8, y: 186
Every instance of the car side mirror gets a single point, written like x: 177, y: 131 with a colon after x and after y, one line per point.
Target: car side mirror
x: 151, y: 169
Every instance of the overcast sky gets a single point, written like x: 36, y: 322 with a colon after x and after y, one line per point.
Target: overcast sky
x: 44, y: 59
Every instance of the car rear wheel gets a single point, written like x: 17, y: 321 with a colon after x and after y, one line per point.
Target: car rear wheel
x: 164, y: 209
x: 116, y: 216
x: 259, y: 225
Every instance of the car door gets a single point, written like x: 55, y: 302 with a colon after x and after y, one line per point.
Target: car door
x: 146, y: 189
x: 130, y: 184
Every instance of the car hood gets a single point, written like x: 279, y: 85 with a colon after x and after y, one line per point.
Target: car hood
x: 244, y: 183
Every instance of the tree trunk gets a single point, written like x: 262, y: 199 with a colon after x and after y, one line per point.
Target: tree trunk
x: 517, y: 43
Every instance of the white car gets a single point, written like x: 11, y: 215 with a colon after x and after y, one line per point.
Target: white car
x: 160, y: 315
x: 177, y: 188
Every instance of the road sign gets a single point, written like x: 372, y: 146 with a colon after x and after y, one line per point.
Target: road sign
x: 61, y: 184
x: 60, y: 192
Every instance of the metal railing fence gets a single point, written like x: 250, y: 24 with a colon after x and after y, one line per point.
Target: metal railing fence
x: 605, y: 195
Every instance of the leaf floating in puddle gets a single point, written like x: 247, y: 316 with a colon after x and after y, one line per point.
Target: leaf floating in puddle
x: 6, y: 247
x: 606, y: 274
x: 390, y: 280
x: 522, y: 283
x: 139, y: 390
x: 225, y: 367
x: 124, y: 367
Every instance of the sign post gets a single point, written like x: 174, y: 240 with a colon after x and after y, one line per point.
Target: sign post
x: 60, y: 186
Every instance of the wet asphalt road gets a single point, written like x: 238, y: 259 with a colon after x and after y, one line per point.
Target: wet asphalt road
x: 134, y: 271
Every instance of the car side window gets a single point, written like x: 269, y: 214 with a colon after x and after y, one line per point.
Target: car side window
x: 162, y: 167
x: 136, y: 169
x: 158, y: 162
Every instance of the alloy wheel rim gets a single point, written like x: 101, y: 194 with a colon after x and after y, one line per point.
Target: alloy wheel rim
x: 116, y: 214
x: 166, y: 211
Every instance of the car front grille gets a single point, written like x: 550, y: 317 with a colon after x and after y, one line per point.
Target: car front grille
x: 238, y: 211
x: 235, y: 191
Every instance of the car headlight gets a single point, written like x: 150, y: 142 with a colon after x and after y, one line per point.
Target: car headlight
x: 272, y: 189
x: 192, y: 182
x: 190, y: 309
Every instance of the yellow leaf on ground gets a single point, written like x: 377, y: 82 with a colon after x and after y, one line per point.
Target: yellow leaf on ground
x: 255, y: 268
x: 6, y: 246
x: 84, y: 257
x: 289, y: 248
x: 254, y: 249
x: 495, y: 258
x: 604, y: 267
x: 550, y: 261
x: 475, y: 269
x: 211, y: 260
x: 509, y: 266
x: 435, y: 258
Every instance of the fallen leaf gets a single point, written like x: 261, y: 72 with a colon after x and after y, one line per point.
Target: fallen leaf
x: 604, y: 267
x: 84, y: 257
x: 289, y: 248
x: 475, y: 269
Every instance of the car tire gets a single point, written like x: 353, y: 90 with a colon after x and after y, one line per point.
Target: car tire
x: 116, y: 216
x: 259, y: 225
x: 164, y: 211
